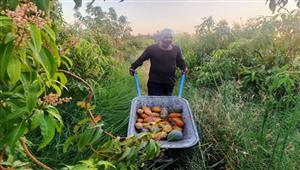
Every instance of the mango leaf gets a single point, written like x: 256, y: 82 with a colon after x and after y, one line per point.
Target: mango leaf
x: 12, y: 4
x: 55, y: 113
x: 51, y: 42
x: 151, y: 149
x: 132, y: 153
x: 18, y: 113
x: 128, y: 150
x: 35, y: 44
x: 47, y: 126
x: 50, y: 32
x: 67, y: 62
x: 83, y: 167
x: 35, y: 34
x: 37, y: 118
x: 78, y: 4
x: 48, y: 62
x: 63, y: 79
x: 5, y: 53
x: 88, y: 162
x: 14, y: 69
x: 272, y: 5
x: 5, y: 22
x: 31, y: 90
x: 56, y: 88
x: 42, y: 4
x: 15, y: 134
x: 9, y: 38
x: 106, y: 164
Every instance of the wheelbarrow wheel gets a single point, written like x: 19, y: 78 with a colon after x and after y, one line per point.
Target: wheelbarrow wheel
x: 164, y: 157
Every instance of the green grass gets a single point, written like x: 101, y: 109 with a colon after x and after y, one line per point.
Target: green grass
x: 235, y: 132
x: 240, y: 134
x: 112, y: 99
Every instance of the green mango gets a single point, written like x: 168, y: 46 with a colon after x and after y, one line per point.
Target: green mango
x: 175, y: 135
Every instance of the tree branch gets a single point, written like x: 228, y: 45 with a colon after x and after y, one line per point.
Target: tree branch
x: 33, y: 158
x: 89, y: 98
x: 1, y: 158
x: 90, y: 89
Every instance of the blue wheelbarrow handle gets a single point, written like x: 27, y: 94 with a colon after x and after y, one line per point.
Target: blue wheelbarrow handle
x: 181, y: 84
x: 137, y: 84
x: 138, y: 90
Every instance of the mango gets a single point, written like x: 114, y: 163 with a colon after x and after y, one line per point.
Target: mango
x: 175, y: 135
x: 147, y: 110
x: 139, y: 125
x: 140, y: 111
x: 164, y: 113
x: 155, y: 109
x: 173, y: 115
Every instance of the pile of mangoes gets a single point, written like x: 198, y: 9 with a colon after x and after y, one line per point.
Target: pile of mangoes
x: 163, y: 123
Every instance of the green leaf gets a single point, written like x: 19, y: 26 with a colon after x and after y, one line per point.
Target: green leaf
x: 50, y: 32
x: 126, y: 153
x: 47, y: 126
x: 42, y: 4
x: 67, y: 61
x: 12, y: 4
x: 63, y: 79
x: 84, y: 139
x: 35, y: 44
x: 272, y: 5
x: 106, y: 164
x: 5, y: 53
x: 9, y: 37
x: 37, y: 118
x: 68, y: 142
x: 18, y: 113
x: 35, y: 34
x: 15, y: 134
x: 31, y: 90
x: 151, y: 149
x: 82, y: 167
x: 48, y: 62
x: 14, y: 69
x: 78, y: 4
x: 97, y: 134
x: 55, y: 113
x: 56, y: 88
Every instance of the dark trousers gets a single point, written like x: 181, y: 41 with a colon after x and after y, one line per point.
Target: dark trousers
x: 159, y: 89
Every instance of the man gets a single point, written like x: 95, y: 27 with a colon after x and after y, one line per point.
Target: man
x: 164, y: 58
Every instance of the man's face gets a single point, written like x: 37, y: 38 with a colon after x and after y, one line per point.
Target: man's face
x: 167, y: 39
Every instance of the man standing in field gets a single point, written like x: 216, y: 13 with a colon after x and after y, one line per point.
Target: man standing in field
x: 164, y: 58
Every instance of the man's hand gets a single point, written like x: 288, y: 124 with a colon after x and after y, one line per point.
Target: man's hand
x: 131, y: 71
x: 184, y: 71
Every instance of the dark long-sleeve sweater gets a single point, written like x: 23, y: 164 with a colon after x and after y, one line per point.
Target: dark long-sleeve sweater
x: 163, y: 63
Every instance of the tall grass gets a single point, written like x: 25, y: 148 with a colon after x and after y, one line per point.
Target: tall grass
x: 113, y: 96
x: 113, y: 100
x: 240, y: 134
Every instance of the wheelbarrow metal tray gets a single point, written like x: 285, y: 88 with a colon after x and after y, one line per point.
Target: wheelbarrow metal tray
x: 190, y: 133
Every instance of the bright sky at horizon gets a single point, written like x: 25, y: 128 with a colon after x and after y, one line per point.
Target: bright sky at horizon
x: 148, y: 16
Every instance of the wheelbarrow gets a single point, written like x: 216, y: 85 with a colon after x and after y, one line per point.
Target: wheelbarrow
x: 190, y: 133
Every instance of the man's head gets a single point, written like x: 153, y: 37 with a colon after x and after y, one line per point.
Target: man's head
x: 166, y: 37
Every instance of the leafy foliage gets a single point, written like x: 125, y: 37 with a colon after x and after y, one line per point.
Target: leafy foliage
x: 28, y: 70
x: 31, y: 86
x: 244, y: 89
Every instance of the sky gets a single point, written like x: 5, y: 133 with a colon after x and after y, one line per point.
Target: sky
x: 149, y: 16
